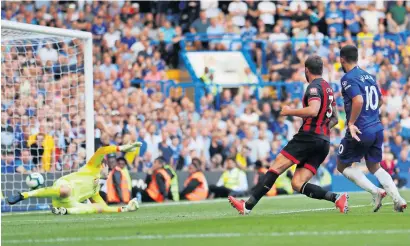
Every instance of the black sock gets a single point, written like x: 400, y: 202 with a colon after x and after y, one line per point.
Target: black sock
x: 261, y: 189
x: 317, y: 192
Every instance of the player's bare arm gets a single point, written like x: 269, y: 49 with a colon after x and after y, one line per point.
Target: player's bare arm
x: 334, y: 118
x: 310, y: 111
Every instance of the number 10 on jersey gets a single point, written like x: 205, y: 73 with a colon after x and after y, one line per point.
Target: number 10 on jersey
x: 371, y: 92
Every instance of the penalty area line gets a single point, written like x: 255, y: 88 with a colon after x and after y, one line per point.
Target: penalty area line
x: 208, y: 235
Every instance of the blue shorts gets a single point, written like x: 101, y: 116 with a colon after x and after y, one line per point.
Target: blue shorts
x: 369, y: 147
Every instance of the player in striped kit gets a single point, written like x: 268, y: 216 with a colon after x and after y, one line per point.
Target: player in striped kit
x: 308, y: 148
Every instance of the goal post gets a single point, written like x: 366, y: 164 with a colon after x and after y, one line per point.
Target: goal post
x: 47, y: 87
x: 86, y: 37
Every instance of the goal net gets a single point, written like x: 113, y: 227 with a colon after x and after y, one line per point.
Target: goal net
x: 47, y: 117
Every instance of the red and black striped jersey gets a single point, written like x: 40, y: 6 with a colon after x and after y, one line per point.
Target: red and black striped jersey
x: 318, y: 126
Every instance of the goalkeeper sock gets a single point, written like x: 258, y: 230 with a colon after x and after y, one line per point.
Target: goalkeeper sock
x: 43, y: 192
x: 317, y: 192
x: 262, y: 189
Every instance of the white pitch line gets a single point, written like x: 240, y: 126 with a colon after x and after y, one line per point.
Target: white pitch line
x: 110, y: 218
x: 208, y: 235
x: 180, y: 203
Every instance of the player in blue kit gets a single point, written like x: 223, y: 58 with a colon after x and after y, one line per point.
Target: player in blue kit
x: 364, y: 136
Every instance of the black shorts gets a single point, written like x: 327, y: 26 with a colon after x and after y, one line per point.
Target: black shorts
x: 306, y: 151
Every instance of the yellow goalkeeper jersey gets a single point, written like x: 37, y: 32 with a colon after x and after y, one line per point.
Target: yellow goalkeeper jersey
x: 85, y: 182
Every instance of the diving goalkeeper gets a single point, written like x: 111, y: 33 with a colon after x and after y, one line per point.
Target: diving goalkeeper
x: 69, y: 191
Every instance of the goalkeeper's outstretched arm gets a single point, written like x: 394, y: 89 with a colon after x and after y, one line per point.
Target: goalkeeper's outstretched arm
x: 98, y: 156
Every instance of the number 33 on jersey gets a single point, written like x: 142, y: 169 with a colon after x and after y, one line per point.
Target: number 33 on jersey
x: 359, y: 82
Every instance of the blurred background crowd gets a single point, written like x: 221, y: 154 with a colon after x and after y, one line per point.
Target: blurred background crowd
x: 135, y: 43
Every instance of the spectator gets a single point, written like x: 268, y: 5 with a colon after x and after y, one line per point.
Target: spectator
x: 158, y: 184
x: 111, y: 36
x: 389, y: 164
x: 278, y: 38
x: 372, y: 17
x: 215, y: 30
x: 334, y: 18
x: 164, y: 149
x: 267, y: 11
x: 403, y: 163
x: 201, y: 24
x: 263, y: 146
x: 128, y: 39
x: 315, y: 35
x: 168, y: 31
x: 7, y: 132
x: 396, y: 18
x: 25, y: 163
x: 238, y: 9
x: 196, y: 185
x: 365, y: 37
x: 37, y: 149
x: 7, y: 162
x: 248, y: 31
x: 320, y: 49
x: 154, y: 75
x: 233, y: 182
x: 352, y: 19
x: 210, y: 7
x: 242, y: 158
x: 47, y: 53
x: 98, y: 29
x: 118, y: 184
x: 300, y: 23
x: 107, y: 67
x: 295, y: 5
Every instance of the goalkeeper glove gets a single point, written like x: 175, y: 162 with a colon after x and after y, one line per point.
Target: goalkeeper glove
x: 129, y: 147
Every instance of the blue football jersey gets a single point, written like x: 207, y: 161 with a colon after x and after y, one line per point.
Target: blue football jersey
x: 359, y: 82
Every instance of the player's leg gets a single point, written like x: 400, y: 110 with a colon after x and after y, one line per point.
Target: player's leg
x: 305, y: 171
x: 300, y: 184
x: 60, y: 189
x: 373, y: 158
x: 351, y: 151
x: 80, y: 208
x: 279, y: 166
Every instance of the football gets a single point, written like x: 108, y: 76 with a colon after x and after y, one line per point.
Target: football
x: 34, y: 180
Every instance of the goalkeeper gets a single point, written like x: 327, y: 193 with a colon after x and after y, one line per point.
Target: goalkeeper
x: 69, y: 191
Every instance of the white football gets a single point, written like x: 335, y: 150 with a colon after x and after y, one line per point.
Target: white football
x: 34, y: 180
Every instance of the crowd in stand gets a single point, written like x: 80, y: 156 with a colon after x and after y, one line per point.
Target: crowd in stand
x: 136, y: 42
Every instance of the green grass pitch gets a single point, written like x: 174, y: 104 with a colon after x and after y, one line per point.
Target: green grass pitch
x: 290, y: 220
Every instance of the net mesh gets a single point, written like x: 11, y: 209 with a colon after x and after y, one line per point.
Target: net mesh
x: 43, y: 110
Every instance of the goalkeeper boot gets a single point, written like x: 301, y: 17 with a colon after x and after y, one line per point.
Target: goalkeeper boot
x: 15, y: 198
x: 59, y: 211
x: 129, y: 147
x: 132, y: 205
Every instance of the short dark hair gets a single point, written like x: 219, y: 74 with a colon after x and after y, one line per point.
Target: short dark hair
x: 161, y: 160
x: 196, y: 162
x: 349, y: 53
x: 122, y: 159
x: 315, y: 64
